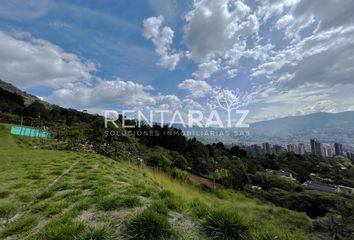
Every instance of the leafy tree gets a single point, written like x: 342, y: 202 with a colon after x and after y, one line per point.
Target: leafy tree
x: 238, y: 152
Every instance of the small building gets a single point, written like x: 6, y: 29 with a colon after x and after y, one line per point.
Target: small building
x: 322, y: 187
x: 281, y: 173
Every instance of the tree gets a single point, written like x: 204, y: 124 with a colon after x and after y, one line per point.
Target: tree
x: 238, y: 152
x: 229, y: 100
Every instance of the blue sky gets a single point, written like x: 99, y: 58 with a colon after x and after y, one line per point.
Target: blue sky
x: 290, y: 57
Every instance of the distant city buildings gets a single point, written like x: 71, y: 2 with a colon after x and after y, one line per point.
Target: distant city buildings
x: 267, y: 148
x: 350, y: 155
x: 301, y: 149
x: 256, y: 150
x: 277, y: 149
x: 338, y: 149
x: 292, y: 148
x: 316, y: 148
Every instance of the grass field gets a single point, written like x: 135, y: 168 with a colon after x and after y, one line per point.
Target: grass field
x: 48, y: 194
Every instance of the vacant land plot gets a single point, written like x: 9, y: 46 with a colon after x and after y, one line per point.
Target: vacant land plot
x: 48, y: 194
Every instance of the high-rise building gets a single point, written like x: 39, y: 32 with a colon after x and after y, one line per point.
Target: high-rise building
x: 301, y: 149
x: 277, y: 149
x: 323, y: 150
x: 267, y: 148
x: 338, y: 149
x: 329, y: 152
x: 256, y: 150
x: 317, y: 147
x: 292, y: 148
x: 350, y: 155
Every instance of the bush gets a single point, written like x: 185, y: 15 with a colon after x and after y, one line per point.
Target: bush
x: 4, y: 194
x: 98, y: 233
x: 149, y: 225
x: 130, y: 202
x: 61, y: 230
x: 159, y: 207
x: 20, y: 225
x: 224, y: 224
x: 6, y: 210
x: 199, y: 209
x: 109, y: 203
x: 158, y: 158
x: 179, y: 174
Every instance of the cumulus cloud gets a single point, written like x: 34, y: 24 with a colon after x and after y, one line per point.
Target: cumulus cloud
x: 35, y: 62
x: 162, y: 38
x: 206, y: 69
x: 213, y: 26
x: 219, y: 33
x: 195, y: 87
x: 104, y: 92
x: 324, y: 57
x: 168, y: 102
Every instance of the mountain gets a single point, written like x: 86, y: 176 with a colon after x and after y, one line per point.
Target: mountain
x: 28, y: 98
x: 327, y: 127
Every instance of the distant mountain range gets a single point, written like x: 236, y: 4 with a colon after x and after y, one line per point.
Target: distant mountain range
x: 327, y: 127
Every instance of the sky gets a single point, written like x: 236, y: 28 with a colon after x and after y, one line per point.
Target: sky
x: 289, y: 58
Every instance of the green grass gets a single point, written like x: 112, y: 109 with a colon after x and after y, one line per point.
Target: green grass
x: 226, y: 224
x: 149, y: 225
x: 99, y: 198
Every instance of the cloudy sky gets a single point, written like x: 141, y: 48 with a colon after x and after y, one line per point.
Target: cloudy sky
x: 292, y: 57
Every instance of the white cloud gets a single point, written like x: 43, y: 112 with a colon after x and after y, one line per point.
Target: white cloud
x: 213, y: 26
x: 195, y: 87
x: 168, y: 102
x: 206, y: 69
x: 324, y: 57
x: 36, y: 62
x: 162, y: 38
x: 22, y: 10
x: 219, y: 33
x: 273, y: 103
x: 104, y: 92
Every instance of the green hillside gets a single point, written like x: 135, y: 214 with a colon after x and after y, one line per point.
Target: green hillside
x: 47, y: 194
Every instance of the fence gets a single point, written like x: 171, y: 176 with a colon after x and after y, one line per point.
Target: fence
x: 29, y: 132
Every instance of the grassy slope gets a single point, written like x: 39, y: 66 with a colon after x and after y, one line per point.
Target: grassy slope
x: 58, y: 195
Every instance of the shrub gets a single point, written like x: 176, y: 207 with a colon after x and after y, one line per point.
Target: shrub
x: 223, y: 224
x: 20, y: 225
x: 45, y: 195
x: 174, y: 203
x: 199, y: 209
x: 179, y: 174
x: 114, y: 202
x: 130, y: 202
x: 165, y: 194
x: 108, y: 203
x: 159, y: 207
x: 149, y: 225
x: 4, y: 194
x: 61, y: 230
x: 98, y: 233
x: 6, y: 210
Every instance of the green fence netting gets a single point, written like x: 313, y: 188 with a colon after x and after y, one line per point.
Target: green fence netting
x: 29, y: 132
